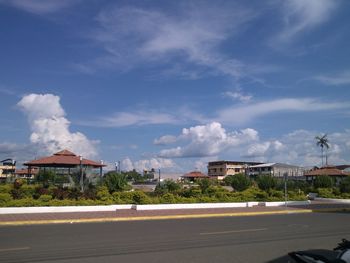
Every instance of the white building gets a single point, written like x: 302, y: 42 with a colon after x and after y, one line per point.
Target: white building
x: 275, y: 169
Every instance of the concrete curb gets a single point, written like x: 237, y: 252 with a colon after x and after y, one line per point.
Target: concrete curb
x: 106, y: 208
x: 342, y: 201
x: 143, y: 218
x: 62, y: 209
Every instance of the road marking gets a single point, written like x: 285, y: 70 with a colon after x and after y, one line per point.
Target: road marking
x: 234, y: 231
x: 13, y: 249
x: 141, y: 218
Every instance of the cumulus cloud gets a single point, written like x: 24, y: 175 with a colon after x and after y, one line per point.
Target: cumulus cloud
x: 147, y: 164
x: 302, y: 15
x: 50, y: 127
x: 299, y: 147
x: 40, y: 7
x: 208, y: 140
x: 164, y: 140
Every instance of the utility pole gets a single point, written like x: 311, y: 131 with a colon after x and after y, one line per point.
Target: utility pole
x: 81, y: 175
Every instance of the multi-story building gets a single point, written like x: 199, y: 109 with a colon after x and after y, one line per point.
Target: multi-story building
x: 221, y: 169
x: 7, y: 168
x: 275, y: 169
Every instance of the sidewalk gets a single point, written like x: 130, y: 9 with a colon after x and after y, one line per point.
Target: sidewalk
x: 129, y: 214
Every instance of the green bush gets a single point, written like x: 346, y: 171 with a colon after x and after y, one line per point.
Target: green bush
x: 28, y: 190
x: 204, y: 184
x: 115, y: 181
x: 5, y: 198
x: 45, y: 177
x: 240, y: 182
x: 5, y: 189
x: 266, y: 182
x: 103, y: 194
x: 24, y: 202
x: 191, y: 192
x: 168, y: 198
x: 44, y: 198
x: 140, y: 197
x: 323, y: 181
x: 345, y: 185
x: 127, y: 197
x: 325, y: 192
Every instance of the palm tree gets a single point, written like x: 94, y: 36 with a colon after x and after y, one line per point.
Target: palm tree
x: 322, y: 141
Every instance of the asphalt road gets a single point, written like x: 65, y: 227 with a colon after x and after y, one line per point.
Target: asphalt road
x: 229, y: 239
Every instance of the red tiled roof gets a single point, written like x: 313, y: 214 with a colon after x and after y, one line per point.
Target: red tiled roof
x: 330, y: 171
x: 25, y: 171
x: 63, y: 158
x: 195, y: 174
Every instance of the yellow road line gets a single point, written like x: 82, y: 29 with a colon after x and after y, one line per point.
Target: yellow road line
x: 233, y: 231
x: 142, y: 218
x: 13, y: 249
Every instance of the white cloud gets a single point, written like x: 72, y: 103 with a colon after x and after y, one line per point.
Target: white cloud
x: 243, y: 114
x: 247, y: 113
x: 192, y: 36
x: 208, y: 140
x: 164, y: 140
x: 40, y: 6
x: 50, y: 128
x: 147, y: 164
x: 299, y: 147
x: 238, y: 95
x: 342, y: 78
x: 302, y: 15
x: 137, y: 118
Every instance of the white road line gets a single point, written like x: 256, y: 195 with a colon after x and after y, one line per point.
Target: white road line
x: 13, y: 249
x: 234, y: 231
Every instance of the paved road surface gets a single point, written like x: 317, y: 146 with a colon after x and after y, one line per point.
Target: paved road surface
x: 228, y: 239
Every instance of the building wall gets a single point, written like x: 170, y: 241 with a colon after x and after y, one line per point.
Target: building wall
x: 277, y: 171
x: 223, y: 169
x: 7, y: 170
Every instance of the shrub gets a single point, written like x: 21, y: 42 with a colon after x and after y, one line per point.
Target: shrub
x: 28, y: 190
x: 325, y: 192
x: 115, y: 181
x: 240, y: 182
x: 204, y: 184
x: 168, y: 198
x: 323, y: 181
x: 44, y: 198
x: 60, y: 193
x: 45, y: 177
x: 140, y: 197
x: 5, y: 189
x: 17, y: 193
x: 192, y: 192
x: 103, y: 194
x: 345, y: 185
x: 5, y: 199
x: 266, y: 182
x: 126, y: 197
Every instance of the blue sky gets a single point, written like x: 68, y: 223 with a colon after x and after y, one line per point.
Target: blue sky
x: 174, y: 85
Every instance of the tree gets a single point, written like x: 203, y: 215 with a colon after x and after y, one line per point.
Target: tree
x: 266, y: 182
x: 204, y: 184
x: 115, y: 181
x: 322, y: 141
x: 240, y: 182
x: 168, y: 186
x: 323, y: 181
x: 45, y: 177
x: 345, y: 185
